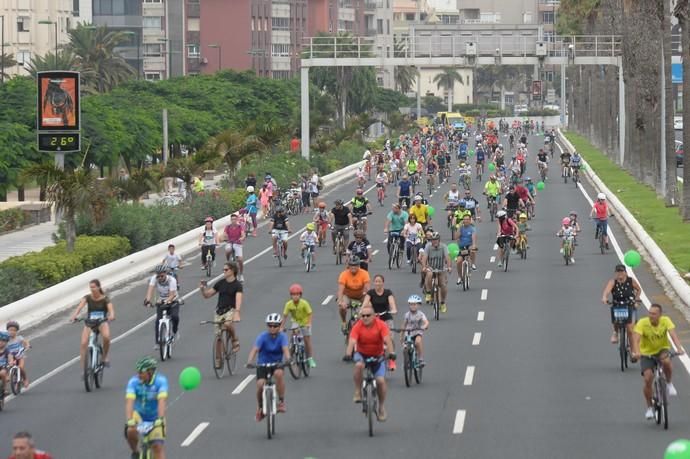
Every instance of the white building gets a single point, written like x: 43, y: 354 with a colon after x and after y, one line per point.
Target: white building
x: 462, y: 92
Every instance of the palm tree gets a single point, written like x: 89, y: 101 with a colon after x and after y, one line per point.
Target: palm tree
x: 7, y: 61
x: 95, y: 56
x: 65, y: 60
x: 185, y: 168
x: 405, y: 77
x: 137, y: 185
x: 233, y: 146
x: 446, y: 79
x: 71, y: 192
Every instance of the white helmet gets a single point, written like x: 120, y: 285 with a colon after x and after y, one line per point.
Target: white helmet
x: 273, y: 318
x: 250, y: 189
x: 501, y: 213
x: 601, y: 196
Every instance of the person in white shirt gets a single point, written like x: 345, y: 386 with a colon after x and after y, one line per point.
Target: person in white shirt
x: 310, y: 239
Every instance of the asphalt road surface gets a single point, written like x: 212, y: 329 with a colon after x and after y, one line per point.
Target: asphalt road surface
x: 520, y: 366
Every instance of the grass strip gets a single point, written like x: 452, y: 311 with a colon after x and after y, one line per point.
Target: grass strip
x: 663, y: 224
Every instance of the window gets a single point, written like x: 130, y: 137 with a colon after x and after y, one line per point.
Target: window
x: 547, y: 75
x: 547, y: 17
x: 409, y: 16
x: 549, y: 37
x: 280, y: 49
x: 379, y: 26
x: 152, y: 22
x: 152, y: 50
x: 193, y: 50
x: 152, y: 76
x: 153, y: 1
x: 23, y: 57
x: 193, y: 24
x: 281, y: 74
x: 280, y: 23
x: 23, y: 24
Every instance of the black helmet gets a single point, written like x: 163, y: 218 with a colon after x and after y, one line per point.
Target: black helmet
x: 354, y: 261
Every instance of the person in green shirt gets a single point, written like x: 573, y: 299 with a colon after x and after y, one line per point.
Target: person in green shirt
x: 650, y: 344
x: 299, y: 309
x: 395, y: 222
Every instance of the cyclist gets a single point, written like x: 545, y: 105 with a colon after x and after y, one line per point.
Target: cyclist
x: 381, y: 180
x: 166, y: 288
x: 543, y: 161
x: 172, y: 260
x: 404, y: 190
x: 6, y: 360
x: 207, y: 241
x: 146, y: 401
x: 565, y: 162
x: 467, y: 240
x: 531, y: 189
x: 512, y: 202
x: 650, y: 344
x: 341, y: 221
x: 452, y: 198
x: 623, y: 289
x: 383, y: 302
x: 420, y: 211
x: 523, y: 227
x: 431, y: 168
x: 573, y: 222
x: 441, y: 162
x: 525, y: 195
x: 271, y: 346
x: 17, y: 346
x: 600, y: 212
x: 230, y: 295
x: 506, y: 227
x: 360, y: 207
x: 251, y: 204
x: 310, y: 239
x: 279, y: 228
x: 301, y: 313
x: 472, y: 205
x: 411, y: 232
x: 23, y: 447
x: 360, y: 248
x: 414, y: 323
x: 412, y: 168
x: 480, y: 157
x: 567, y: 232
x: 353, y: 283
x: 462, y: 150
x: 369, y: 336
x: 99, y: 307
x: 575, y: 161
x: 492, y: 191
x: 436, y: 258
x: 321, y: 220
x: 234, y: 235
x: 465, y: 174
x: 395, y: 222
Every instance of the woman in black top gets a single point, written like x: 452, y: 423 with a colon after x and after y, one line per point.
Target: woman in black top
x: 623, y: 290
x: 383, y: 302
x: 99, y: 307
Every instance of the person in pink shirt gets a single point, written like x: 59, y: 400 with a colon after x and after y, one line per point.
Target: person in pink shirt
x: 600, y: 212
x: 264, y: 198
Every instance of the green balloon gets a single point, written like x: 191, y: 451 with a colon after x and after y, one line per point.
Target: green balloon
x: 540, y: 186
x: 492, y: 167
x: 453, y: 249
x: 632, y: 259
x: 679, y: 449
x: 190, y: 378
x: 431, y: 211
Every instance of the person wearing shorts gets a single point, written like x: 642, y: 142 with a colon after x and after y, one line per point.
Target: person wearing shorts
x: 234, y: 235
x: 230, y: 292
x: 301, y: 313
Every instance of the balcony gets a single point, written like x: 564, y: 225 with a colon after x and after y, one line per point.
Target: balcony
x: 370, y: 5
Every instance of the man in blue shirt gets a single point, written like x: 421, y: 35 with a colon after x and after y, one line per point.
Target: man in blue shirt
x: 271, y: 347
x: 146, y: 398
x: 404, y: 191
x: 467, y: 240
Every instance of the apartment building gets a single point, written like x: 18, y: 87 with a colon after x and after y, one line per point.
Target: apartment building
x: 26, y: 33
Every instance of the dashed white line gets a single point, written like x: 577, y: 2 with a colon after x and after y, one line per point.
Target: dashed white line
x: 469, y: 375
x: 375, y: 252
x: 488, y: 275
x: 385, y: 240
x: 195, y: 433
x: 485, y: 293
x: 492, y: 259
x: 476, y: 338
x: 459, y: 424
x: 240, y: 387
x: 327, y: 300
x: 480, y: 316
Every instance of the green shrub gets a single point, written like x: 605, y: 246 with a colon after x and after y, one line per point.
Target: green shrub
x: 11, y: 219
x: 35, y: 271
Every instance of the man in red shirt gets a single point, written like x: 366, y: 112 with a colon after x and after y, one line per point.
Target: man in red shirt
x: 523, y: 192
x: 23, y: 448
x: 369, y: 335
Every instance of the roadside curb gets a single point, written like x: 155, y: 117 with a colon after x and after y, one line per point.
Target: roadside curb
x: 663, y: 269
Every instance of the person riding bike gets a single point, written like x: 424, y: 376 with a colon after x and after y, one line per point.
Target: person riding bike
x: 341, y: 220
x: 624, y: 290
x: 279, y: 228
x: 146, y: 401
x: 99, y: 307
x: 17, y: 347
x: 230, y: 294
x: 404, y: 191
x: 360, y: 207
x: 360, y: 248
x: 234, y: 236
x: 567, y: 232
x: 414, y: 323
x: 576, y: 161
x: 436, y: 258
x: 512, y: 202
x: 166, y: 289
x: 420, y: 211
x: 506, y: 228
x: 395, y: 222
x: 472, y: 205
x: 353, y: 283
x: 600, y: 212
x: 565, y: 161
x: 301, y: 313
x: 207, y: 241
x: 467, y: 240
x: 452, y: 199
x: 492, y: 191
x: 6, y: 360
x: 321, y: 219
x: 309, y: 239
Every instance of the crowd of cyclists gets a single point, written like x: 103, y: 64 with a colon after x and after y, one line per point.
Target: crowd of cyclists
x: 411, y: 169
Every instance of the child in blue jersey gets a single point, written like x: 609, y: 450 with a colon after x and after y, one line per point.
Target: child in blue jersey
x: 17, y: 346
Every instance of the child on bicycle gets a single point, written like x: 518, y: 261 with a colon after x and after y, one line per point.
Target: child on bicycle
x: 414, y: 323
x: 567, y: 232
x: 299, y: 310
x: 16, y: 347
x: 6, y: 360
x: 523, y: 227
x: 309, y: 240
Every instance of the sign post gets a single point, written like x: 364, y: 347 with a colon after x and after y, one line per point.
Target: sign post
x: 58, y: 123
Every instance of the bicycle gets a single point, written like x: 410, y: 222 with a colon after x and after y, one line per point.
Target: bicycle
x: 567, y: 250
x: 222, y: 350
x: 430, y: 184
x: 566, y: 173
x: 339, y: 247
x: 465, y: 269
x: 450, y: 221
x: 435, y: 293
x: 165, y: 334
x: 209, y: 262
x: 298, y: 354
x: 370, y: 395
x: 144, y: 428
x: 480, y: 171
x: 15, y: 375
x: 493, y: 206
x: 307, y: 255
x: 93, y: 365
x: 576, y: 174
x: 411, y: 366
x: 323, y: 226
x: 506, y: 251
x: 280, y: 243
x: 269, y: 403
x: 394, y: 255
x: 600, y: 235
x: 621, y: 314
x: 521, y: 246
x: 353, y: 312
x: 466, y: 181
x: 659, y: 392
x: 542, y: 172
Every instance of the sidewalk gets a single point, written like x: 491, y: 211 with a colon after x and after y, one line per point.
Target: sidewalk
x: 37, y: 237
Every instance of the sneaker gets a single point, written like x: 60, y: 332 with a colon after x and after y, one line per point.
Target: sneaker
x: 457, y: 282
x: 259, y: 415
x: 357, y: 398
x: 614, y: 338
x: 500, y: 264
x: 311, y: 362
x: 203, y: 267
x: 649, y: 414
x: 285, y: 256
x: 382, y: 415
x: 671, y: 390
x: 421, y: 363
x: 443, y: 307
x: 408, y: 261
x: 427, y: 297
x: 474, y: 267
x: 561, y: 251
x: 343, y: 328
x: 281, y: 406
x: 240, y: 278
x: 392, y: 366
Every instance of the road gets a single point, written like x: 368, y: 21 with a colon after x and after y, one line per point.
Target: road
x: 519, y: 367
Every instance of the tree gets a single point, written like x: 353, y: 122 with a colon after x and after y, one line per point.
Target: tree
x: 233, y: 146
x: 140, y: 182
x: 7, y: 61
x: 405, y: 77
x: 446, y: 79
x: 185, y: 168
x: 71, y: 192
x: 682, y: 12
x: 65, y: 60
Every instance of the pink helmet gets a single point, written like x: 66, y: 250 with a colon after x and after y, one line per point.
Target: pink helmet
x: 566, y: 221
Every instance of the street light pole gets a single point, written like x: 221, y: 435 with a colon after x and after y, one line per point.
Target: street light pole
x: 56, y: 38
x: 134, y: 34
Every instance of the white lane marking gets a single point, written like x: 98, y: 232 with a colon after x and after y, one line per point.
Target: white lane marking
x: 485, y: 293
x: 480, y: 316
x: 459, y: 424
x: 375, y: 252
x: 495, y: 246
x: 327, y: 300
x: 469, y: 375
x: 240, y: 387
x: 492, y: 260
x: 488, y: 275
x: 195, y: 433
x: 385, y: 240
x: 476, y: 338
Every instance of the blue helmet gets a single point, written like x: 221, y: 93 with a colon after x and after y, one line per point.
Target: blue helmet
x: 4, y: 336
x: 414, y: 299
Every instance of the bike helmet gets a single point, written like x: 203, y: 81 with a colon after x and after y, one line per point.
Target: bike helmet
x: 566, y: 221
x: 11, y: 324
x: 417, y: 198
x: 295, y: 288
x: 208, y: 220
x: 160, y: 269
x: 601, y: 196
x: 145, y: 364
x: 359, y: 192
x: 322, y: 205
x: 492, y: 177
x: 338, y: 202
x: 501, y: 213
x: 273, y: 319
x: 310, y: 227
x: 523, y: 216
x: 435, y: 236
x: 280, y: 209
x: 573, y: 213
x: 414, y: 299
x: 4, y: 336
x: 354, y: 261
x: 462, y: 164
x: 359, y: 233
x: 528, y: 179
x: 250, y: 189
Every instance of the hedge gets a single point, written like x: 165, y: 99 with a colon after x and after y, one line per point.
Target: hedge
x: 11, y: 219
x: 34, y: 271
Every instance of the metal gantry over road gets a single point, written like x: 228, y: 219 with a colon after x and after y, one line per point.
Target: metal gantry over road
x: 467, y: 50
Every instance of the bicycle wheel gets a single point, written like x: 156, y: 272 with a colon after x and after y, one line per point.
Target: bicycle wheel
x: 270, y: 419
x: 664, y: 405
x: 566, y: 254
x: 304, y: 363
x: 370, y: 407
x: 209, y: 264
x: 417, y: 369
x: 218, y: 364
x: 622, y: 351
x: 468, y: 274
x: 2, y: 399
x: 230, y: 355
x: 295, y: 367
x: 15, y: 380
x: 98, y: 371
x: 280, y: 254
x: 506, y: 256
x: 407, y: 367
x: 88, y: 371
x: 413, y: 258
x: 307, y: 261
x: 437, y: 308
x: 391, y: 261
x: 602, y: 246
x: 163, y: 341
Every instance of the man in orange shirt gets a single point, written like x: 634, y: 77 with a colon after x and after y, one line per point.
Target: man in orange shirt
x: 353, y: 283
x: 369, y: 336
